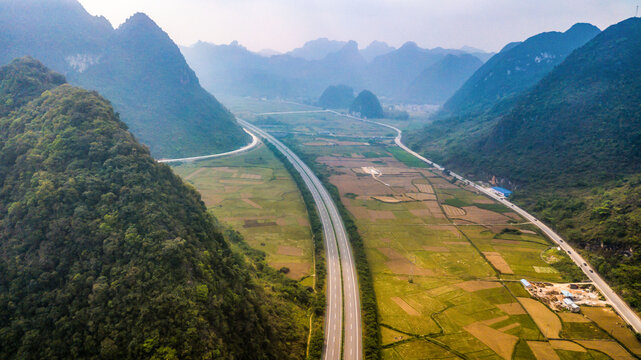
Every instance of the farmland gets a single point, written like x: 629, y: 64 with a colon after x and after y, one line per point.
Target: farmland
x: 446, y: 261
x: 254, y: 194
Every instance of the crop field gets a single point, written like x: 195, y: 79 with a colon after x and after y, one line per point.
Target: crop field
x: 446, y: 261
x: 254, y: 194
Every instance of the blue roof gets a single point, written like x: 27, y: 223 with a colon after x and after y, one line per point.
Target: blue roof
x: 525, y: 282
x: 502, y: 190
x: 566, y: 293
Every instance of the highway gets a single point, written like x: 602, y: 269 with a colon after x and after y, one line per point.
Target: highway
x: 343, y: 297
x: 251, y: 145
x: 620, y: 306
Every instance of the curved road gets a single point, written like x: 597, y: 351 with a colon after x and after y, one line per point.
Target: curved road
x: 251, y: 145
x: 621, y: 307
x: 339, y: 257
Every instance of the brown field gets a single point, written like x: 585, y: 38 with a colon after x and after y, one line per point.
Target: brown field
x: 365, y: 186
x: 573, y: 318
x: 380, y: 215
x: 425, y: 188
x: 545, y: 319
x: 239, y: 182
x: 567, y: 345
x: 318, y: 143
x: 451, y: 228
x: 302, y: 221
x: 436, y: 248
x: 400, y: 265
x: 509, y: 327
x: 421, y: 196
x: 501, y: 343
x: 477, y: 285
x: 290, y: 251
x: 251, y: 176
x: 508, y: 242
x: 512, y: 308
x: 211, y: 197
x: 607, y: 319
x: 482, y: 216
x: 405, y: 306
x: 296, y: 270
x: 453, y: 211
x: 543, y: 350
x: 256, y: 223
x: 465, y: 243
x: 190, y: 176
x: 611, y: 348
x: 387, y: 199
x: 499, y: 263
x: 252, y: 204
x: 495, y: 320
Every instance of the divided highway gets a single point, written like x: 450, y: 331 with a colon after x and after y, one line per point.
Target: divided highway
x: 250, y: 146
x: 621, y: 307
x: 341, y: 269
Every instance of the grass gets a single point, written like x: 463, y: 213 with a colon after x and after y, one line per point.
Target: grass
x: 406, y: 158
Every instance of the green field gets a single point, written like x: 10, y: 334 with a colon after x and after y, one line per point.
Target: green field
x: 254, y: 194
x: 446, y: 269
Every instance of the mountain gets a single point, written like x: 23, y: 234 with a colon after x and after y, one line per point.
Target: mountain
x: 105, y: 252
x: 376, y: 48
x: 317, y: 49
x: 336, y: 97
x: 137, y: 67
x: 571, y: 148
x: 517, y: 68
x: 440, y: 81
x: 367, y: 105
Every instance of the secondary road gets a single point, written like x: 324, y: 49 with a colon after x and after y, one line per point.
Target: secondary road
x: 251, y: 145
x: 340, y: 265
x: 621, y: 307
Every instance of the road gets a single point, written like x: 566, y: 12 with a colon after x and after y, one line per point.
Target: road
x: 251, y: 145
x: 342, y: 280
x: 620, y: 306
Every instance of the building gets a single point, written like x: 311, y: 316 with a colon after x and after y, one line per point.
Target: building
x: 571, y: 305
x: 566, y: 294
x: 526, y: 284
x: 501, y: 191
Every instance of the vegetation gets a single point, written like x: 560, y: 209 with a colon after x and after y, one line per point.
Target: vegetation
x: 367, y: 105
x: 336, y: 97
x: 137, y: 67
x: 106, y: 253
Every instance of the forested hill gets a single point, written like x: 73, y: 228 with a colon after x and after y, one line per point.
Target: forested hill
x: 516, y: 68
x: 583, y: 120
x: 137, y: 67
x: 105, y: 253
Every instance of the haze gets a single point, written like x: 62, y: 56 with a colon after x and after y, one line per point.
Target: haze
x: 285, y: 24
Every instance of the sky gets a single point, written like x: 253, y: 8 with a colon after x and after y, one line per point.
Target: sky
x: 286, y: 24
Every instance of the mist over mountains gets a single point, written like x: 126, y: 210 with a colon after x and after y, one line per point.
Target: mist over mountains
x: 305, y: 72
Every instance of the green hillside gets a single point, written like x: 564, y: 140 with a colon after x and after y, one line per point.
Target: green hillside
x: 336, y: 97
x: 571, y: 150
x: 106, y: 253
x: 367, y: 105
x: 137, y: 67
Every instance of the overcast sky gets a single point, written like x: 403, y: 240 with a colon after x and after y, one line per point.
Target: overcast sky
x: 285, y: 24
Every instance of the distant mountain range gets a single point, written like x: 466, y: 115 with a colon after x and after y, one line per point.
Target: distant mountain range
x: 137, y: 67
x: 305, y: 72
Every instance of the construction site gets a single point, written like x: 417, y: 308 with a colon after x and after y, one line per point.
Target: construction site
x: 561, y: 297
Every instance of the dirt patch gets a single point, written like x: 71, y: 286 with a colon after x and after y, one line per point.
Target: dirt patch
x: 507, y: 242
x: 499, y: 263
x: 296, y: 270
x: 545, y: 269
x: 231, y: 189
x: 425, y: 188
x: 509, y: 327
x: 191, y: 176
x: 240, y: 182
x: 252, y: 204
x: 281, y: 222
x: 501, y: 343
x: 380, y: 215
x: 611, y: 348
x: 436, y: 248
x: 464, y: 243
x: 544, y: 318
x: 421, y: 196
x: 211, y: 197
x: 528, y: 232
x: 399, y: 264
x: 512, y: 308
x: 359, y: 212
x: 290, y: 251
x: 482, y: 216
x: 543, y: 350
x: 257, y: 223
x: 301, y: 221
x: 453, y: 211
x: 477, y: 285
x: 567, y: 345
x: 363, y: 185
x: 405, y: 306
